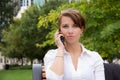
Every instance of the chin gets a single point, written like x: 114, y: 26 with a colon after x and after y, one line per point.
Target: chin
x: 71, y: 42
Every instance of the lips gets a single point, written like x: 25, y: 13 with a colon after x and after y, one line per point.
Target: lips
x: 69, y: 36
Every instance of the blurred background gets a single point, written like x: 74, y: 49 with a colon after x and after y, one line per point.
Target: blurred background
x: 27, y: 28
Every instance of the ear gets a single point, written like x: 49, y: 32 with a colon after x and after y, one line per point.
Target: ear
x: 59, y: 30
x: 81, y: 30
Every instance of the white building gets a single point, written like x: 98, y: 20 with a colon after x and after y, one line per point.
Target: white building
x: 11, y: 61
x: 4, y: 60
x: 24, y: 4
x: 1, y: 61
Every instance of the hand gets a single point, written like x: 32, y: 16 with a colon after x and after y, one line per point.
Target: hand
x: 57, y: 40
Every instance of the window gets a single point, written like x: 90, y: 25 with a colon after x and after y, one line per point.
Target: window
x: 7, y: 61
x: 1, y: 60
x: 21, y: 3
x: 27, y: 3
x: 31, y: 2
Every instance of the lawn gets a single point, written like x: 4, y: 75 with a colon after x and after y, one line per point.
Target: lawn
x: 16, y: 75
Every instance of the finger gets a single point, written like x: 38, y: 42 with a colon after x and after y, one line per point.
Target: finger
x: 56, y: 33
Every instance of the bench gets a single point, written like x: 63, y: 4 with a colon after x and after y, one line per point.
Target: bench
x: 112, y: 72
x: 38, y: 72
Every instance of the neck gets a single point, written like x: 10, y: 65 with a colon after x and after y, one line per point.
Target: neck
x: 74, y: 49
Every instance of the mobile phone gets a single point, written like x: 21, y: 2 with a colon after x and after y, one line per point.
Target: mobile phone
x: 62, y: 39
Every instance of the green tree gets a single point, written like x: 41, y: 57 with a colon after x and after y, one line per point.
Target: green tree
x: 6, y: 14
x: 99, y: 15
x: 26, y: 36
x: 22, y: 36
x: 12, y: 41
x: 102, y: 19
x: 51, y: 5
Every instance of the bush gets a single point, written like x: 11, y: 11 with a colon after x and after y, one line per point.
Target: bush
x: 6, y: 67
x: 16, y: 67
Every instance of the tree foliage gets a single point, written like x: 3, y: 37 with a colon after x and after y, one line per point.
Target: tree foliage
x: 33, y: 35
x: 102, y: 21
x: 51, y: 5
x: 6, y: 14
x: 23, y: 36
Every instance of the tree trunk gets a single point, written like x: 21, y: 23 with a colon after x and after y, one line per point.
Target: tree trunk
x: 22, y: 61
x: 45, y: 1
x: 31, y: 61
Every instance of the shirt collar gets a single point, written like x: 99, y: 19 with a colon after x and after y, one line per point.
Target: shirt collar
x: 84, y: 51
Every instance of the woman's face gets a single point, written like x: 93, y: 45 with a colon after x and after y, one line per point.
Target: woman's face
x: 70, y: 30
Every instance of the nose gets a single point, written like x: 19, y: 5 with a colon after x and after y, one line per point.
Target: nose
x: 70, y: 30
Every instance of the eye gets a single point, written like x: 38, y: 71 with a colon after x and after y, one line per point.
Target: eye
x: 75, y: 25
x: 65, y: 26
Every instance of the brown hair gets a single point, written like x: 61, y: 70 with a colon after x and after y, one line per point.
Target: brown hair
x: 74, y: 15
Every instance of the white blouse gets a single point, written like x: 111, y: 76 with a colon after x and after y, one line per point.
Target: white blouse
x: 90, y: 66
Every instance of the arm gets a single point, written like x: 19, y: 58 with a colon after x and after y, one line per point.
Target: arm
x: 54, y: 63
x: 49, y: 60
x: 99, y: 68
x: 58, y: 64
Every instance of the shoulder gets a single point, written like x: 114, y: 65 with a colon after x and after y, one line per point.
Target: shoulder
x: 51, y: 53
x: 91, y: 53
x: 95, y: 55
x: 49, y: 57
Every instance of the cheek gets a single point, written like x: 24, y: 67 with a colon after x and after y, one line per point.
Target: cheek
x: 79, y: 34
x: 63, y: 31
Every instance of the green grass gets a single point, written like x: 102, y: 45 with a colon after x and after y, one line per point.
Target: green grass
x: 16, y: 75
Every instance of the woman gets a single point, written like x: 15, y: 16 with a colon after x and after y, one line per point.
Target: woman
x: 71, y: 61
